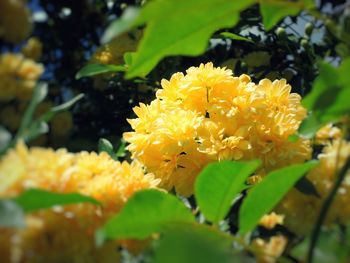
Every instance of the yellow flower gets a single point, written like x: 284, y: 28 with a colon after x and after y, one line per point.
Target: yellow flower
x: 65, y: 234
x: 33, y: 48
x: 327, y: 133
x: 269, y: 252
x: 15, y: 20
x: 271, y: 220
x: 18, y: 76
x: 113, y: 52
x: 165, y: 140
x: 322, y: 177
x: 207, y: 115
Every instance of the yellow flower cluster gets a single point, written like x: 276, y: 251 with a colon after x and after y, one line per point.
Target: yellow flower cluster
x: 327, y: 133
x: 269, y: 251
x: 295, y: 204
x: 208, y: 115
x: 18, y: 76
x: 269, y: 221
x: 15, y: 20
x: 65, y: 234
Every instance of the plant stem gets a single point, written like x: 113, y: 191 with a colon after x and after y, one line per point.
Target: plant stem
x: 324, y: 210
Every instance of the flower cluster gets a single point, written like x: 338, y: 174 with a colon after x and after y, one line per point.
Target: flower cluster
x: 269, y: 251
x: 208, y: 115
x: 294, y: 205
x: 18, y: 76
x: 65, y: 234
x: 15, y: 20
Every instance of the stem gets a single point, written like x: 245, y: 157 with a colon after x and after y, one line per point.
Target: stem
x: 324, y: 210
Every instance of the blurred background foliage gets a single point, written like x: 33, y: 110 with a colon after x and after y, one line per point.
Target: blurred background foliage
x: 91, y: 78
x: 67, y: 35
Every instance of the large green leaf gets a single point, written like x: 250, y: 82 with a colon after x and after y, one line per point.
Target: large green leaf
x: 145, y: 213
x: 310, y: 125
x: 96, y: 69
x: 121, y: 25
x: 35, y: 199
x: 328, y: 79
x: 272, y: 12
x: 180, y: 28
x: 329, y: 98
x: 188, y: 243
x: 11, y: 214
x: 218, y: 184
x: 264, y: 196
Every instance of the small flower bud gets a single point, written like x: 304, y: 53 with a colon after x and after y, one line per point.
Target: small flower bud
x: 309, y: 27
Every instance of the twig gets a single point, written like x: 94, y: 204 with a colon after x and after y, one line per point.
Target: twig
x: 324, y: 210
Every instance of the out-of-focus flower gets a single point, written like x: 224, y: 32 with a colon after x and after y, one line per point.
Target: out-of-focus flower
x: 295, y: 204
x: 208, y: 115
x: 62, y: 124
x: 113, y: 53
x: 257, y: 59
x: 10, y: 117
x: 271, y: 220
x: 269, y: 252
x: 33, y: 48
x: 15, y: 20
x: 326, y: 133
x: 18, y: 76
x: 65, y: 234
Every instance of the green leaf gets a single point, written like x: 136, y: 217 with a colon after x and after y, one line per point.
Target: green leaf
x: 128, y: 58
x: 235, y: 37
x: 46, y: 117
x: 5, y: 138
x: 180, y: 28
x: 310, y: 125
x: 188, y: 243
x: 95, y: 69
x: 121, y: 152
x: 218, y: 184
x: 265, y: 195
x: 273, y: 12
x: 35, y: 129
x: 35, y: 199
x: 329, y: 98
x: 145, y: 213
x: 106, y: 146
x: 65, y: 106
x: 343, y: 70
x: 11, y: 214
x: 293, y: 138
x: 39, y: 94
x: 119, y: 26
